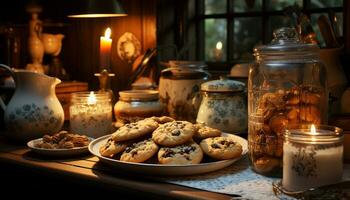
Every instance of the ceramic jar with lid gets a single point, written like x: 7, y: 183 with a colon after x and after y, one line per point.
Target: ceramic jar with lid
x: 134, y: 105
x: 287, y: 86
x: 179, y: 84
x: 224, y: 105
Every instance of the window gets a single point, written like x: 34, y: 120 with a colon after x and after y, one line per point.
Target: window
x: 228, y: 30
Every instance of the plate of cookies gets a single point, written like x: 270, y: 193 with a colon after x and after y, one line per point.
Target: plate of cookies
x: 164, y: 146
x: 62, y: 143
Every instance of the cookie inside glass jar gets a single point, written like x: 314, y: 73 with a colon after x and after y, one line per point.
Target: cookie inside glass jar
x: 276, y: 111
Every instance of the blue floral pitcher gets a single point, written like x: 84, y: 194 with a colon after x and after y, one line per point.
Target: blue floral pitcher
x: 34, y: 109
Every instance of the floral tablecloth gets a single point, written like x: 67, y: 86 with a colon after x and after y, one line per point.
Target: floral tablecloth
x: 238, y: 179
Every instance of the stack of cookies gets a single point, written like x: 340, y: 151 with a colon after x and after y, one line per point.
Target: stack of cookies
x: 170, y: 141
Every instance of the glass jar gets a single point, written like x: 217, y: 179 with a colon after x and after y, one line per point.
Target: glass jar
x: 134, y: 105
x: 286, y: 86
x: 178, y: 85
x: 313, y: 157
x: 91, y: 113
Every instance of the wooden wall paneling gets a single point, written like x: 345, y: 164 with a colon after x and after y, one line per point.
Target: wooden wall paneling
x: 346, y: 34
x: 149, y: 29
x: 85, y: 37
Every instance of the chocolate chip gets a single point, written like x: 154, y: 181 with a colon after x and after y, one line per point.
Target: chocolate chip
x: 128, y: 149
x: 187, y: 149
x: 134, y: 152
x: 226, y: 143
x: 168, y: 153
x: 215, y: 146
x: 176, y: 132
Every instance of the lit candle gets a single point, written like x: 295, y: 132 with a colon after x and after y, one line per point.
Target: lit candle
x: 218, y: 51
x: 91, y: 114
x: 312, y: 157
x: 105, y: 49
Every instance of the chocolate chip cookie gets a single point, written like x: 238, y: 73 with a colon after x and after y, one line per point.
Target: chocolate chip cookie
x: 140, y: 151
x: 204, y: 131
x: 163, y: 119
x: 188, y: 153
x: 173, y: 133
x: 135, y: 130
x: 112, y: 147
x: 221, y: 148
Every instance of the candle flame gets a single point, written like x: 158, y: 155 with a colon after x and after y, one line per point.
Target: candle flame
x: 92, y: 98
x: 108, y: 33
x: 219, y: 45
x: 313, y: 130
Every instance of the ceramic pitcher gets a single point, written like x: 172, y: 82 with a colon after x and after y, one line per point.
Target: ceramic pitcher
x: 34, y: 109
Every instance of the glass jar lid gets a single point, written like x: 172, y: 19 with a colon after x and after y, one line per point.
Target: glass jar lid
x: 285, y: 40
x: 90, y: 97
x: 223, y: 85
x: 319, y: 134
x: 139, y: 95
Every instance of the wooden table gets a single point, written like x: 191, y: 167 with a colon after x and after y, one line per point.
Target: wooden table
x: 24, y: 170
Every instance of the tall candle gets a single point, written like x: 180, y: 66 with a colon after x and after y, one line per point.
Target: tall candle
x: 312, y: 158
x: 105, y: 49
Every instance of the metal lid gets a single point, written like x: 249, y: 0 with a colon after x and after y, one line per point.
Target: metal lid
x: 285, y: 40
x: 223, y: 85
x: 129, y: 95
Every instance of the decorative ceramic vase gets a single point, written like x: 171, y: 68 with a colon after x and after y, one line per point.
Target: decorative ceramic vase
x: 178, y: 85
x: 52, y: 43
x: 34, y: 109
x: 224, y: 105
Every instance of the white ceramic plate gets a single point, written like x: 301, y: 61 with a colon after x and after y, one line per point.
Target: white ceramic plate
x: 57, y: 152
x: 158, y: 169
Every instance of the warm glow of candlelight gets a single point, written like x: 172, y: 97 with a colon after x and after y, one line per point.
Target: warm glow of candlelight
x: 105, y: 49
x: 219, y: 45
x: 313, y: 130
x: 92, y: 98
x: 108, y: 33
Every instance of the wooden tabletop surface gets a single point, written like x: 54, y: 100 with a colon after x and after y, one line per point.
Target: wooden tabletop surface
x: 87, y: 168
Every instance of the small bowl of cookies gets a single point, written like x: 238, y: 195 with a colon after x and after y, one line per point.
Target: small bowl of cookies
x: 62, y: 143
x: 163, y: 145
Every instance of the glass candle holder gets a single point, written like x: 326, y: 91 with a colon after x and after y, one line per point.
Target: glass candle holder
x: 91, y: 113
x: 312, y: 157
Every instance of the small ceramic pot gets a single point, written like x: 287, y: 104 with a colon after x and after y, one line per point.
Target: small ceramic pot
x: 224, y: 105
x: 134, y: 105
x: 178, y: 85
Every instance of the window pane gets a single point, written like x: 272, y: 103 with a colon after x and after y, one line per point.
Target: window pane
x: 247, y: 6
x: 215, y: 6
x: 326, y: 3
x: 340, y: 22
x: 275, y: 22
x: 281, y: 4
x: 215, y: 40
x: 247, y: 34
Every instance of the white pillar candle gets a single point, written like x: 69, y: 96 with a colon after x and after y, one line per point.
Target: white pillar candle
x: 91, y: 114
x: 312, y: 158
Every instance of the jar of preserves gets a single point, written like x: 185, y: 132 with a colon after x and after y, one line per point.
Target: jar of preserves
x: 287, y: 86
x: 178, y: 85
x: 134, y: 105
